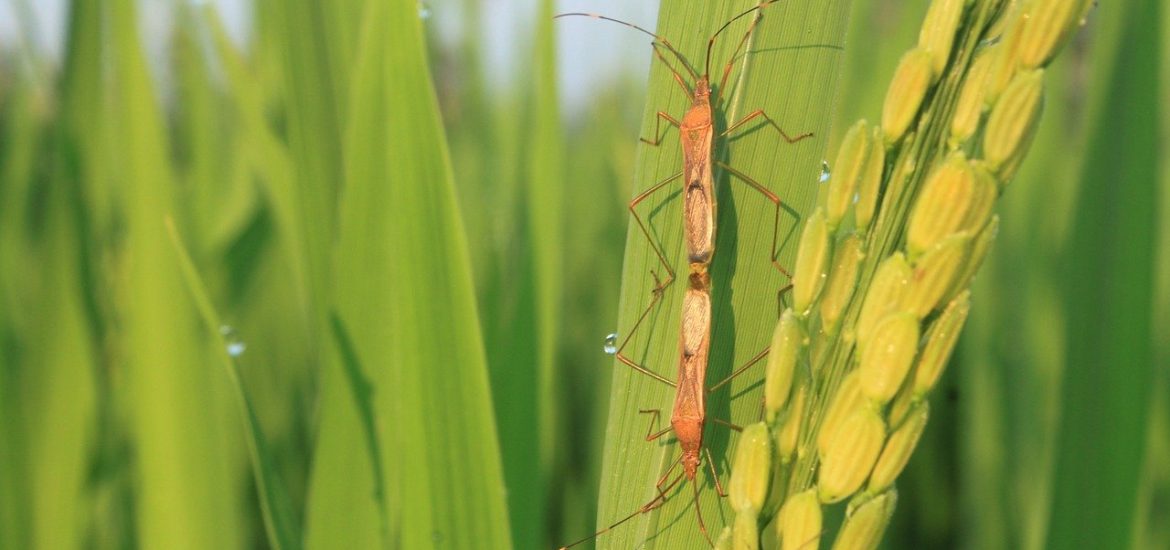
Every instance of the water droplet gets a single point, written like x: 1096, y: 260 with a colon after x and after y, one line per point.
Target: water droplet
x: 610, y: 346
x: 988, y: 42
x: 856, y: 198
x: 424, y: 11
x: 825, y: 172
x: 231, y: 341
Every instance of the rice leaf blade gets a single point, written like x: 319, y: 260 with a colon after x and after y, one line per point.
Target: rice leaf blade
x: 790, y: 70
x: 1109, y: 350
x: 403, y: 293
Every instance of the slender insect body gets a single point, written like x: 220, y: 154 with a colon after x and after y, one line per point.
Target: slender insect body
x: 696, y: 136
x: 699, y: 204
x: 690, y: 398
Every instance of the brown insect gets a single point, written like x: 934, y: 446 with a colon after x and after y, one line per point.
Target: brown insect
x: 696, y: 133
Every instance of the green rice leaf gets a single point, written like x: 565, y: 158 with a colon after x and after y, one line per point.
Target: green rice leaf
x: 791, y: 72
x: 1109, y: 353
x: 525, y: 401
x: 279, y: 522
x: 314, y: 136
x: 405, y: 315
x: 183, y: 453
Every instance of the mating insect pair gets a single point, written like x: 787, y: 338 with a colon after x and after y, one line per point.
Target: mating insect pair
x: 697, y: 134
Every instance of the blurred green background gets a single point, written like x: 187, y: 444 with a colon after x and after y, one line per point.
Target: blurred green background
x: 407, y: 243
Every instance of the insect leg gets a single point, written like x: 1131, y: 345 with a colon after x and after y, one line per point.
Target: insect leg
x: 699, y: 514
x: 655, y: 502
x: 711, y: 466
x: 651, y: 435
x: 760, y: 113
x: 773, y: 253
x: 621, y: 356
x: 735, y: 427
x: 657, y: 128
x: 659, y: 286
x: 750, y: 363
x: 677, y: 77
x: 646, y: 231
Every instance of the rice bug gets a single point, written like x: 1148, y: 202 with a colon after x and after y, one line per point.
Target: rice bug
x: 697, y: 133
x: 689, y: 413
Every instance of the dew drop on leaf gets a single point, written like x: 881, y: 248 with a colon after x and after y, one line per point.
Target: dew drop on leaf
x: 232, y: 343
x: 610, y: 346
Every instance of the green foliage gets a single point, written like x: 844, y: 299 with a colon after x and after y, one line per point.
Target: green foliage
x: 403, y: 306
x: 1110, y: 346
x: 274, y: 505
x: 423, y: 297
x: 790, y: 71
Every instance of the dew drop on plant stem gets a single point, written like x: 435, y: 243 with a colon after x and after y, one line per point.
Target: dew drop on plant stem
x: 231, y: 341
x: 424, y: 11
x: 825, y: 172
x: 988, y: 42
x: 610, y: 346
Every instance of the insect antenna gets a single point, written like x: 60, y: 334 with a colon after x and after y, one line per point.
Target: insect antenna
x: 711, y: 42
x: 657, y: 39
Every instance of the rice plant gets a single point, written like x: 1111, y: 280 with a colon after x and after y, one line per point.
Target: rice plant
x: 332, y: 276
